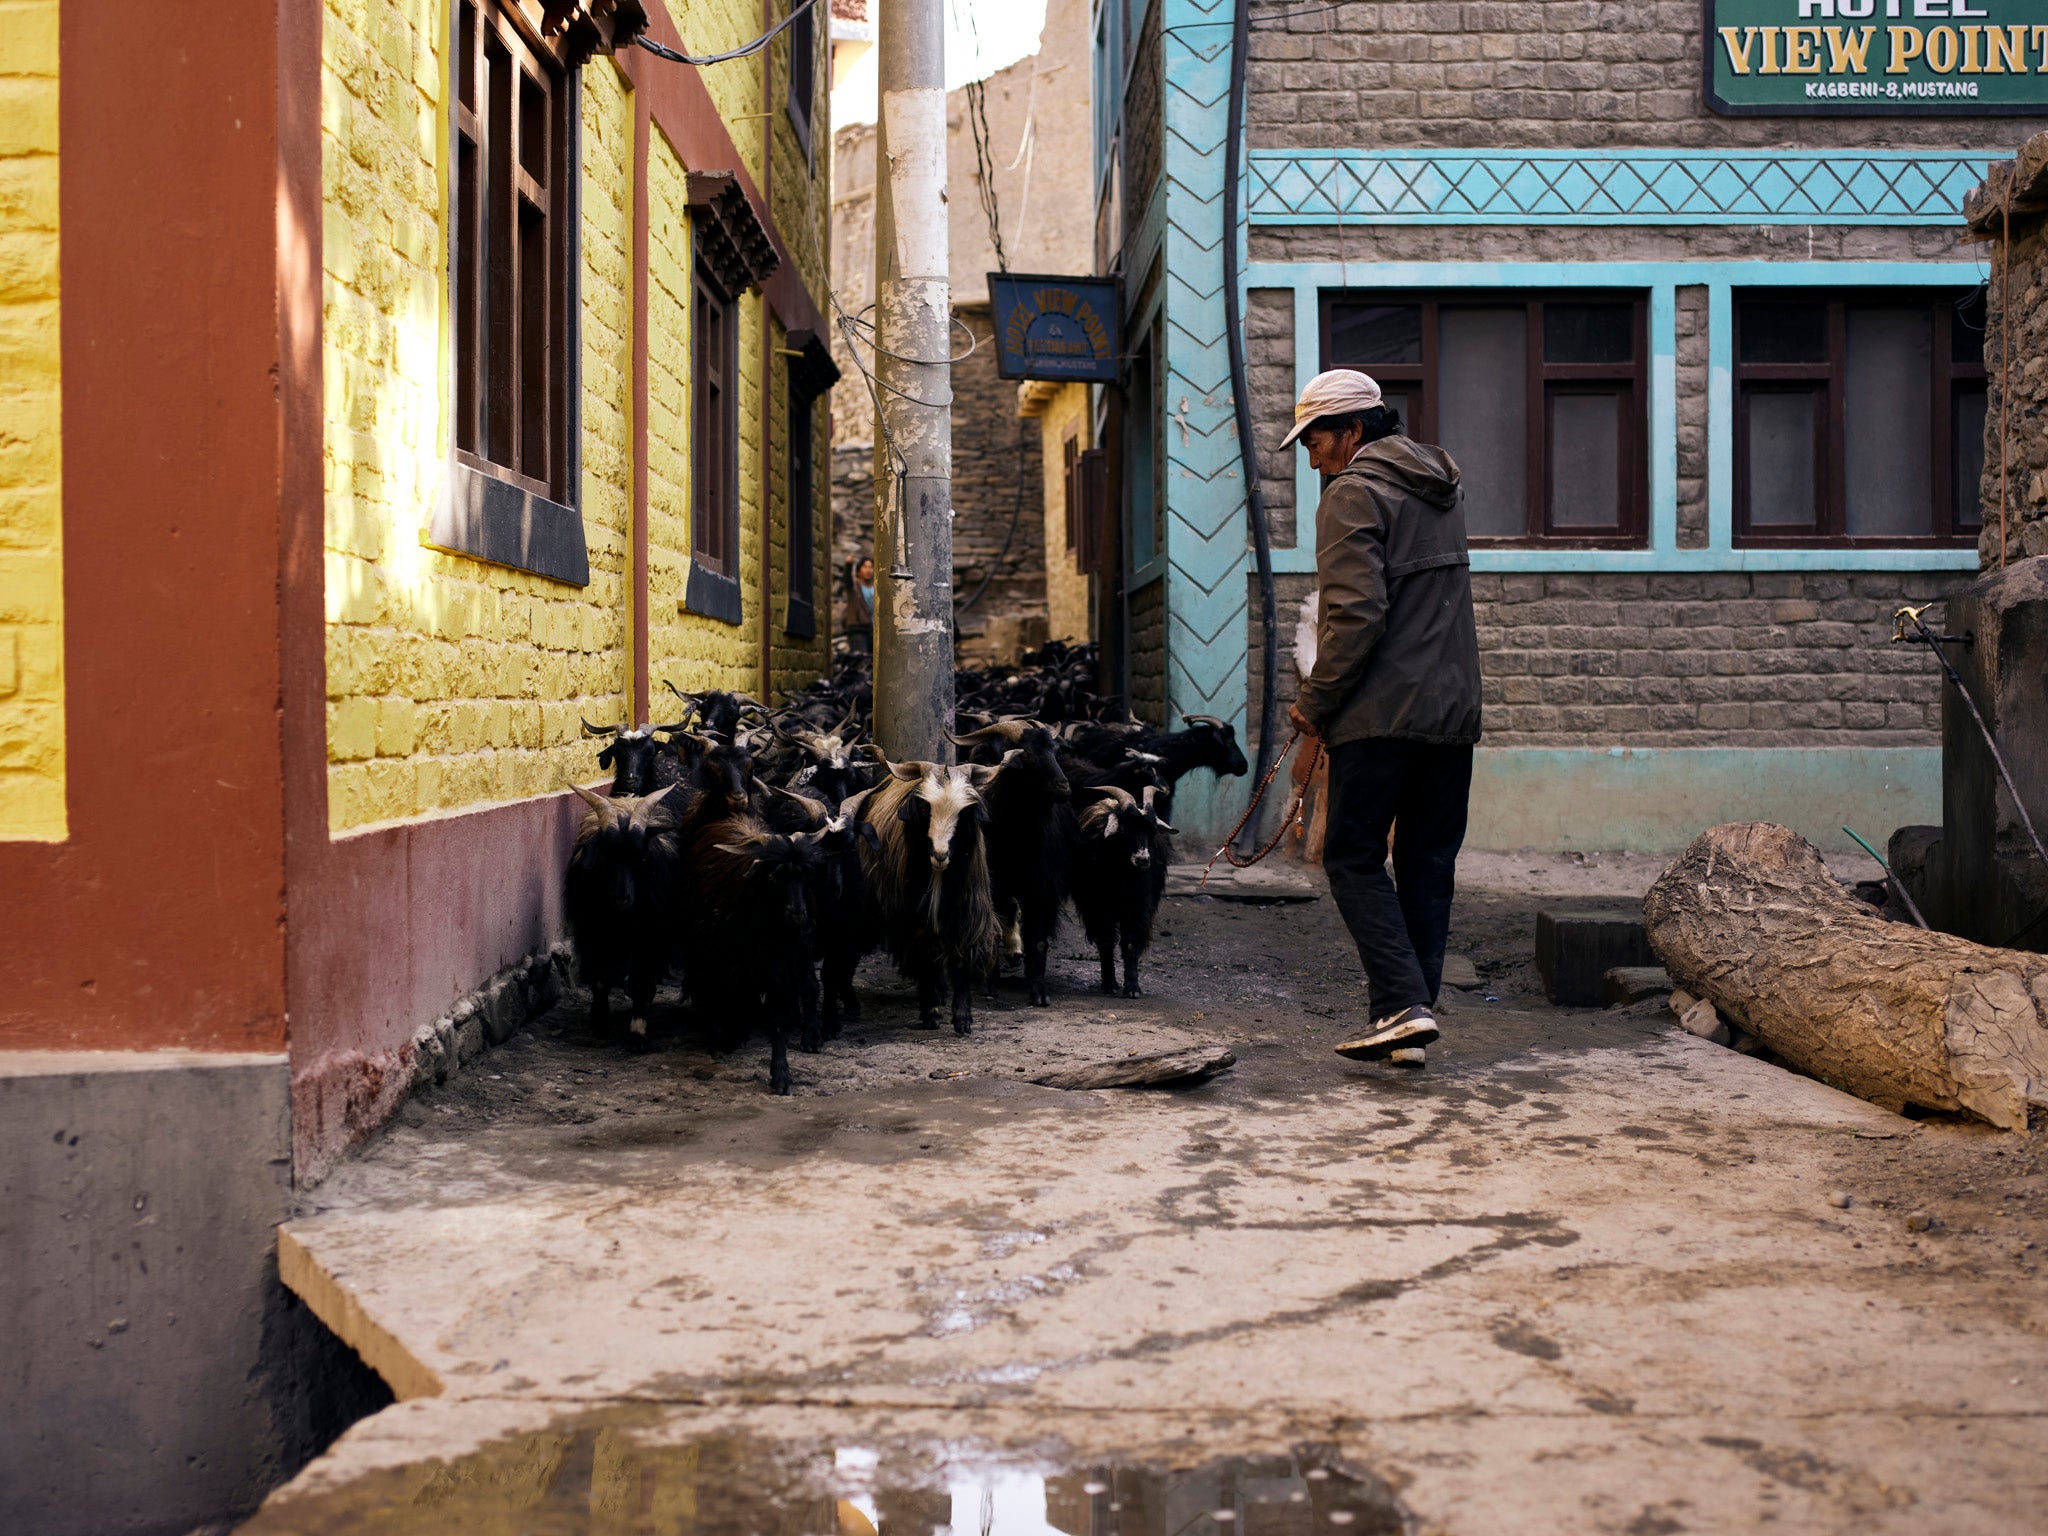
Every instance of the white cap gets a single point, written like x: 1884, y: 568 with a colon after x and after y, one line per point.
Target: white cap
x: 1334, y: 393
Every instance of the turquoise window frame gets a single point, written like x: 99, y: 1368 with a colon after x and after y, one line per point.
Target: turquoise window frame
x: 1661, y: 281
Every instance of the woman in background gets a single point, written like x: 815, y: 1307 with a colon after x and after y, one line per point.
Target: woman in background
x: 857, y: 618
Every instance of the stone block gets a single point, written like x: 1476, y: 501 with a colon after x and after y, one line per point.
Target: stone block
x: 139, y: 1193
x: 1576, y: 949
x: 1625, y: 984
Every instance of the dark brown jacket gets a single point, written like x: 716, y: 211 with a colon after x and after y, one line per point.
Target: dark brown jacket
x: 1397, y: 653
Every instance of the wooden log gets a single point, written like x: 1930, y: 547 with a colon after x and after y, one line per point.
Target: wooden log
x: 1189, y: 1064
x: 1750, y: 918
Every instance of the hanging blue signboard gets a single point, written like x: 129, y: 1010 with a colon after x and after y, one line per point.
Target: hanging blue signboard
x: 1061, y: 328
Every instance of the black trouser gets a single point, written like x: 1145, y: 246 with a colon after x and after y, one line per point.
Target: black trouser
x: 1419, y: 788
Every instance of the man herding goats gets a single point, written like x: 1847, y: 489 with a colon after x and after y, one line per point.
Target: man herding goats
x: 1394, y: 695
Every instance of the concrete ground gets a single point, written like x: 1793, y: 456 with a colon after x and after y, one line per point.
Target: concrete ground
x: 1586, y: 1273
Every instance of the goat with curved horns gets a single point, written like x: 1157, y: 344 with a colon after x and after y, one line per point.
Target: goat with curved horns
x: 620, y: 892
x: 930, y: 879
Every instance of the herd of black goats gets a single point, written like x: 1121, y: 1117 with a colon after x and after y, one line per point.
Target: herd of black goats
x: 764, y: 852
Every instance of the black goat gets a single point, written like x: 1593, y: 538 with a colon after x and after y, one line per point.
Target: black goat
x: 1120, y: 857
x: 1207, y: 742
x: 747, y: 944
x: 1029, y: 828
x: 843, y: 921
x: 930, y: 878
x: 636, y: 757
x: 620, y: 892
x: 718, y: 714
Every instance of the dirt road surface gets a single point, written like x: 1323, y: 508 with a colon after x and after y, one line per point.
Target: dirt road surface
x: 1586, y: 1273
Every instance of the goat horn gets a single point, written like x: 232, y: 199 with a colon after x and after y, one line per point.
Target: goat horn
x: 598, y: 730
x: 748, y: 698
x: 1221, y: 725
x: 851, y: 711
x: 607, y: 813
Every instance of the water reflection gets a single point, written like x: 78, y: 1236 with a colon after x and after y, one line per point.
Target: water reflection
x: 621, y: 1475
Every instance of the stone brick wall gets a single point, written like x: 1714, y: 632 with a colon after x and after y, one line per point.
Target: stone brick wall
x: 2021, y: 432
x: 1691, y: 320
x: 1719, y: 659
x: 450, y: 683
x: 1145, y: 652
x: 31, y: 427
x: 1552, y: 73
x: 1269, y: 371
x: 1061, y: 413
x: 997, y: 484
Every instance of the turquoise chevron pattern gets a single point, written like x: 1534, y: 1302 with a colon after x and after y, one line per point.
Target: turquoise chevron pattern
x: 1206, y: 557
x: 1608, y: 186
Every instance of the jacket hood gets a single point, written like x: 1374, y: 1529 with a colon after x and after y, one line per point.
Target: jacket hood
x: 1422, y: 470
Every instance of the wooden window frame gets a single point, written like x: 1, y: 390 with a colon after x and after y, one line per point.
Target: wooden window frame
x: 512, y: 356
x: 1070, y: 454
x: 800, y: 576
x: 801, y: 101
x: 714, y: 582
x: 1829, y: 529
x: 511, y: 490
x: 1544, y: 382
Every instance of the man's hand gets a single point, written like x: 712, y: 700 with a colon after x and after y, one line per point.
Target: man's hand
x: 1304, y: 750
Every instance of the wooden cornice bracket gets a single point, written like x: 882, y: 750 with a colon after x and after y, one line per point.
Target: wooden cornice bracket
x: 586, y: 28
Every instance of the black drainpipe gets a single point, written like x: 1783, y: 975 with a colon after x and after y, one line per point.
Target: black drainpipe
x: 1233, y: 329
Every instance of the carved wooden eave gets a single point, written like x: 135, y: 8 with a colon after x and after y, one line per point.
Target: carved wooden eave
x: 732, y: 243
x: 585, y: 28
x: 811, y: 369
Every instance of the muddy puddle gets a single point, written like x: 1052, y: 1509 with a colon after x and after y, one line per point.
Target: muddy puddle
x: 620, y: 1473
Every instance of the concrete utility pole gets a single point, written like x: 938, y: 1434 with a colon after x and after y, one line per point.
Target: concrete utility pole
x: 914, y: 440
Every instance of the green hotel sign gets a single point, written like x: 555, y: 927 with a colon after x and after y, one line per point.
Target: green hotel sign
x: 1773, y: 58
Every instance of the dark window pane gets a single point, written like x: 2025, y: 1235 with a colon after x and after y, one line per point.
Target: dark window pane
x: 1364, y: 334
x: 1966, y: 428
x: 1589, y: 333
x: 1784, y: 333
x: 1966, y: 331
x: 1482, y: 414
x: 1781, y: 479
x: 1887, y: 438
x: 1585, y: 459
x: 465, y: 76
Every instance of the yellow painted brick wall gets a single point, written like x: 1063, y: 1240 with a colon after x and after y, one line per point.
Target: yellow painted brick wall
x: 1066, y: 589
x: 31, y: 410
x: 689, y: 649
x: 451, y: 683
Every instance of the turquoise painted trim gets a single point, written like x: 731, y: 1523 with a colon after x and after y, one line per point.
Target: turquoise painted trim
x: 1609, y: 186
x: 1656, y: 800
x: 1663, y: 416
x: 1720, y: 416
x: 1662, y: 281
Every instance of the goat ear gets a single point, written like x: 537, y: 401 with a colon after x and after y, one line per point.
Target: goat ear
x: 1166, y: 827
x: 869, y: 835
x: 1109, y: 825
x: 606, y: 755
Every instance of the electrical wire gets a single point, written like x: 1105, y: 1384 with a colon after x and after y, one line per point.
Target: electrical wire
x: 663, y: 51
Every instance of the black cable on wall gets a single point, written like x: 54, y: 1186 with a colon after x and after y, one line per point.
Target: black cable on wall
x: 1233, y: 330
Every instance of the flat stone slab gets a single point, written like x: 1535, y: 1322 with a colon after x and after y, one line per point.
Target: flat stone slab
x: 1460, y: 972
x: 1144, y: 1071
x: 1625, y: 984
x: 1271, y: 881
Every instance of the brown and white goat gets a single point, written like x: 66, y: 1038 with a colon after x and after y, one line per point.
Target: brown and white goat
x: 929, y: 876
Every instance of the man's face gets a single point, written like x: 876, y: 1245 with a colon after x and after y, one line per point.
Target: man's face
x: 1330, y: 450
